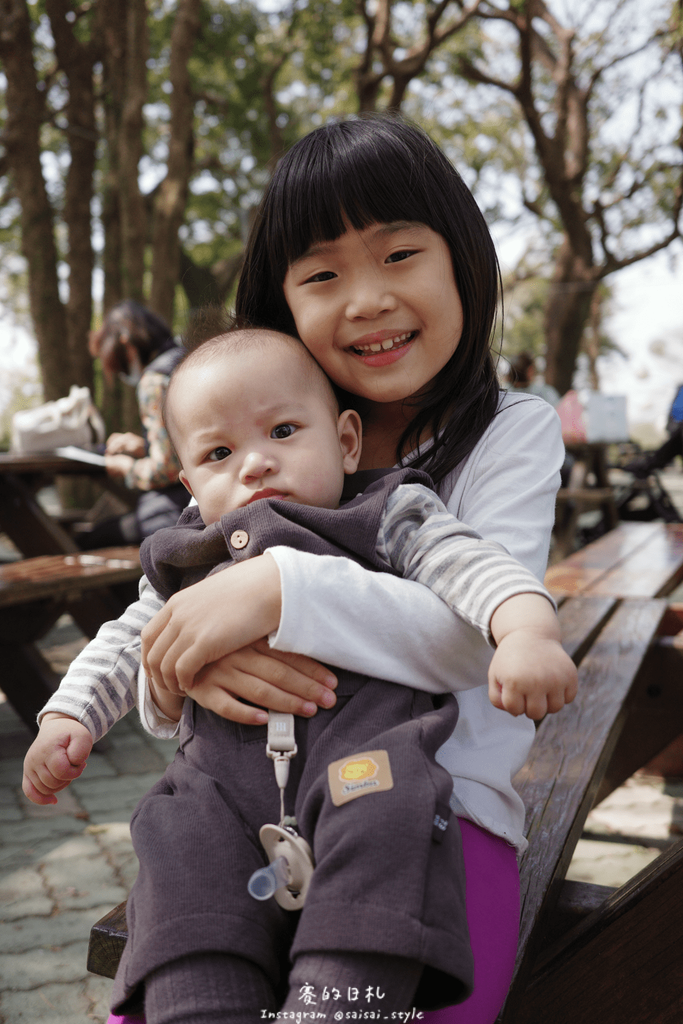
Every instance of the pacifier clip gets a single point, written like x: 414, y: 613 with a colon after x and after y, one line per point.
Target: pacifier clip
x: 288, y: 874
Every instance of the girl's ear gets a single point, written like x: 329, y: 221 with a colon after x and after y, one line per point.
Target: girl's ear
x: 184, y: 481
x: 350, y: 437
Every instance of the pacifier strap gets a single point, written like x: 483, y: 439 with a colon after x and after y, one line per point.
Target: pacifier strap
x: 281, y: 748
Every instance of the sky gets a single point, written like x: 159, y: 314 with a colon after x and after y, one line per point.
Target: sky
x: 647, y: 323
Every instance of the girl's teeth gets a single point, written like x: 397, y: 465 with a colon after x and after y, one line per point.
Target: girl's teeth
x: 384, y: 346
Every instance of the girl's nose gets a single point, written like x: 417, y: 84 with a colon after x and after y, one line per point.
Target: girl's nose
x: 257, y: 464
x: 368, y: 297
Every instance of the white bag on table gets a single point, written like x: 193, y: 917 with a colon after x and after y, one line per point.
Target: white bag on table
x: 70, y: 420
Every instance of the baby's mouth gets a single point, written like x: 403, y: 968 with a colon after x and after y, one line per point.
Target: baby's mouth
x: 384, y: 346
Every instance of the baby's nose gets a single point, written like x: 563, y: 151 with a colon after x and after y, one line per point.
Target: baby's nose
x: 256, y: 464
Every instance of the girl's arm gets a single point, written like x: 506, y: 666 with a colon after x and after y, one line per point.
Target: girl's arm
x: 369, y: 621
x: 506, y: 492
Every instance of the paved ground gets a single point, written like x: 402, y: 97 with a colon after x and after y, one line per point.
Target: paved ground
x: 63, y: 867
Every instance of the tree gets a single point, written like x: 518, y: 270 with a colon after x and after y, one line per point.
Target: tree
x: 101, y: 88
x: 609, y: 193
x: 138, y: 136
x: 26, y: 114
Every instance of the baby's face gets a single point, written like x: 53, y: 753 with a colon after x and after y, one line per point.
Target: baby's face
x: 254, y: 424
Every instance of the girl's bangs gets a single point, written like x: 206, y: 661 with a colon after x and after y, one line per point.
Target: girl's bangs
x: 343, y: 181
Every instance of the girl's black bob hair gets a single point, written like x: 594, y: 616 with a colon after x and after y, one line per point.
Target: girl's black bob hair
x: 382, y: 169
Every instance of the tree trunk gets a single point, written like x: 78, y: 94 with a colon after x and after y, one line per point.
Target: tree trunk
x: 566, y: 314
x: 114, y: 16
x: 25, y: 115
x: 131, y: 202
x: 76, y: 61
x: 117, y: 401
x: 592, y: 338
x: 171, y: 199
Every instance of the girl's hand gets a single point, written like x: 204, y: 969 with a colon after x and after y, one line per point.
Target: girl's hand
x: 270, y: 679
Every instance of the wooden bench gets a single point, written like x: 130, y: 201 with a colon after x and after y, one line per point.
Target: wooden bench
x: 633, y: 560
x: 588, y: 954
x: 34, y: 592
x: 630, y: 705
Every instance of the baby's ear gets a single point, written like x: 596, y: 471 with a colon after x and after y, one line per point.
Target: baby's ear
x: 350, y: 438
x: 183, y: 479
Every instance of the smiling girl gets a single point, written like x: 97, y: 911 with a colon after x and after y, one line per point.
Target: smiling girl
x: 371, y: 249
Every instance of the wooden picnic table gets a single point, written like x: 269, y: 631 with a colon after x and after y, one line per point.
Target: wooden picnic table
x: 588, y: 954
x: 22, y: 518
x: 588, y: 489
x: 633, y: 560
x: 52, y: 577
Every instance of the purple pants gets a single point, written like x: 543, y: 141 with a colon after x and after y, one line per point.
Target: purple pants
x: 492, y: 896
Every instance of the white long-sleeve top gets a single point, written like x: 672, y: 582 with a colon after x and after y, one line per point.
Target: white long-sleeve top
x: 399, y: 630
x: 370, y: 622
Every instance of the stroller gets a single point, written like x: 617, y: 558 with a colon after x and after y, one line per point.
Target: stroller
x: 646, y: 498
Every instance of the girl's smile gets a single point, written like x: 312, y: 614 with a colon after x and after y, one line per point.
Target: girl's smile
x: 381, y: 351
x: 378, y: 308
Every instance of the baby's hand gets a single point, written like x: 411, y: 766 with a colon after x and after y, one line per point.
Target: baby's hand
x: 531, y: 675
x: 56, y: 757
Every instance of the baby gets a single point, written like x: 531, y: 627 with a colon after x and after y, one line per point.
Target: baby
x: 265, y: 452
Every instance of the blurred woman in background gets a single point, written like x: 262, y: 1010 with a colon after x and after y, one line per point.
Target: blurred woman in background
x: 138, y: 347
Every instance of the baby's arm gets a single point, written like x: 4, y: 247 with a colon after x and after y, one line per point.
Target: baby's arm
x: 99, y: 688
x: 477, y: 579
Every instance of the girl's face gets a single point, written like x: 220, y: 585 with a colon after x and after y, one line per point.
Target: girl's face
x: 378, y: 308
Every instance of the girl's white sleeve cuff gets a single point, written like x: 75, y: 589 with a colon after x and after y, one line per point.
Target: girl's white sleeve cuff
x: 153, y: 721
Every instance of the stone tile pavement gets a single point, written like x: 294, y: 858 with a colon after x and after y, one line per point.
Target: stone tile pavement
x: 63, y: 867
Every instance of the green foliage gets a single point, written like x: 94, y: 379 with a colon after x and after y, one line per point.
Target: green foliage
x: 524, y: 307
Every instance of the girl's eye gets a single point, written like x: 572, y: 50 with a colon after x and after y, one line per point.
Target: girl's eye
x: 218, y: 454
x: 403, y: 254
x: 282, y: 430
x: 324, y: 275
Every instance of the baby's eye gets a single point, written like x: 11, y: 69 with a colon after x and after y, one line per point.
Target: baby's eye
x: 403, y: 254
x: 283, y: 430
x: 218, y: 454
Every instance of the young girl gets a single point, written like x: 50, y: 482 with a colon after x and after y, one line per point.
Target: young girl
x: 371, y: 249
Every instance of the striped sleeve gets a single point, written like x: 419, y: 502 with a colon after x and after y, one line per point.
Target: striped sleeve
x: 422, y: 540
x: 101, y: 685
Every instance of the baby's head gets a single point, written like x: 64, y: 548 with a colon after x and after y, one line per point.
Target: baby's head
x: 251, y: 415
